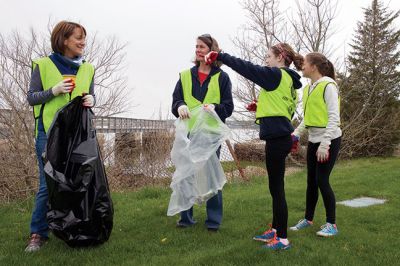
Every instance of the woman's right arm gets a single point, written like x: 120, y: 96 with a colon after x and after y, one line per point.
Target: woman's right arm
x: 177, y: 98
x: 36, y: 95
x: 268, y: 78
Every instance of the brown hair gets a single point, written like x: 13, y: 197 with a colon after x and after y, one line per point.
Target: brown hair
x: 62, y: 31
x: 212, y: 44
x: 288, y: 54
x: 324, y: 66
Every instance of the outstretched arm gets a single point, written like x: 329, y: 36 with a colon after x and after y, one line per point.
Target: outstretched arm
x: 266, y: 77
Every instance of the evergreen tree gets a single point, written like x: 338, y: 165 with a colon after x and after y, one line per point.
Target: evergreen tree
x: 371, y: 90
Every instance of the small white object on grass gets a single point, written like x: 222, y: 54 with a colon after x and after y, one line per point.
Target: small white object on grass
x: 362, y: 202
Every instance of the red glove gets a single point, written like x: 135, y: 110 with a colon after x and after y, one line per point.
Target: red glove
x: 211, y: 57
x: 252, y: 107
x: 295, y: 144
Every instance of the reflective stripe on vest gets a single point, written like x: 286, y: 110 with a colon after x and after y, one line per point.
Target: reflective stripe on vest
x: 315, y: 110
x: 51, y: 76
x: 279, y: 102
x: 213, y: 94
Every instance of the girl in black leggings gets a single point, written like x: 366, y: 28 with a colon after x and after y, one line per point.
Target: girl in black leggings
x: 322, y: 121
x: 274, y: 111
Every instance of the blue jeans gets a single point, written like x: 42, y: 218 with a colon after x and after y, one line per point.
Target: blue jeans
x: 214, y: 210
x: 214, y: 213
x: 39, y: 223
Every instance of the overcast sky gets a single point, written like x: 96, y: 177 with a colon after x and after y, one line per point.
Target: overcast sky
x: 160, y: 34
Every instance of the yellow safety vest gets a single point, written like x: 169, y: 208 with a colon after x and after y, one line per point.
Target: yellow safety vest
x: 51, y: 76
x: 279, y: 102
x: 213, y: 94
x: 315, y: 110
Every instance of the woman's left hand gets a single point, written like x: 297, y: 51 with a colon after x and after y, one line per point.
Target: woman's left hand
x: 323, y: 153
x: 209, y: 107
x: 88, y: 100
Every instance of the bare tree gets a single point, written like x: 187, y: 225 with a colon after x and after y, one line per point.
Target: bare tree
x: 312, y: 25
x: 267, y: 25
x: 17, y: 157
x: 108, y: 57
x: 17, y: 152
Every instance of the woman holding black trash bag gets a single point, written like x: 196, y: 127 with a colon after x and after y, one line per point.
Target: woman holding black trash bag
x: 55, y: 81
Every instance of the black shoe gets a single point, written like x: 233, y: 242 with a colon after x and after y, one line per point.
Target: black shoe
x: 212, y: 230
x: 178, y: 225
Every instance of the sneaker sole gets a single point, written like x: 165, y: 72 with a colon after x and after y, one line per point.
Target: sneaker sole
x: 285, y: 248
x: 325, y: 235
x: 30, y: 250
x: 293, y: 228
x: 262, y: 240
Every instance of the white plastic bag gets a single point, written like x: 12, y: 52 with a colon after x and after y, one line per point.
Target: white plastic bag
x: 199, y: 174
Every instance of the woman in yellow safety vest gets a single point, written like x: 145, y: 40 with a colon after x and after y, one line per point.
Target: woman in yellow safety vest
x: 321, y: 105
x: 274, y: 111
x: 211, y: 87
x: 55, y: 81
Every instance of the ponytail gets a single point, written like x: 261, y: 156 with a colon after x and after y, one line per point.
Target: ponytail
x: 330, y: 70
x: 298, y: 61
x: 289, y: 55
x: 324, y: 66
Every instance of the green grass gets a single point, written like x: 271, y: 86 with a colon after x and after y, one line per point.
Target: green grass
x: 368, y: 236
x: 231, y: 165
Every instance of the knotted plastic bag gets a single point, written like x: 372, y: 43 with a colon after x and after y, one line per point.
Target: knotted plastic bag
x: 199, y: 174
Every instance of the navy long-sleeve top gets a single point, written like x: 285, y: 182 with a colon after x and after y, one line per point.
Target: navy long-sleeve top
x: 268, y: 78
x: 224, y: 109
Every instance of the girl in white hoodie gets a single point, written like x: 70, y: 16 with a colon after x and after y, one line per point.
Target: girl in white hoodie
x: 321, y: 118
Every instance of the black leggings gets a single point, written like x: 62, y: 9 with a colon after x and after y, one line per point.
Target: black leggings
x: 318, y: 177
x: 276, y: 151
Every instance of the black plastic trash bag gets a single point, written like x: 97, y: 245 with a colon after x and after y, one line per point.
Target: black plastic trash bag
x: 80, y: 207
